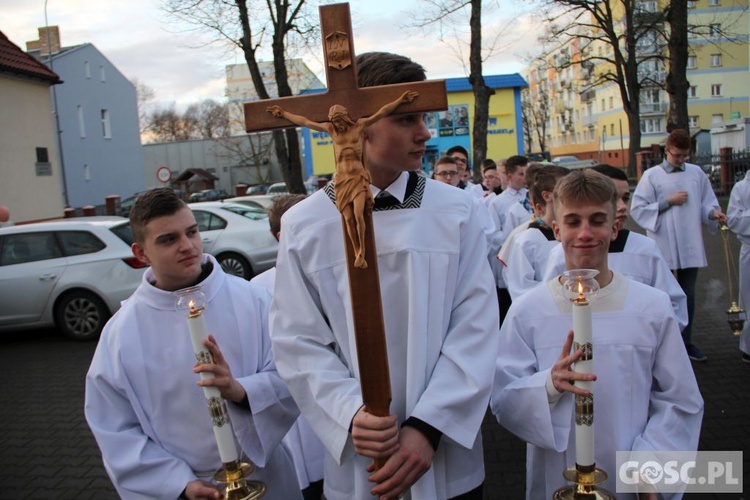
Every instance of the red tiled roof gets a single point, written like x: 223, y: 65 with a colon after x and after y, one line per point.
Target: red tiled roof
x: 15, y: 60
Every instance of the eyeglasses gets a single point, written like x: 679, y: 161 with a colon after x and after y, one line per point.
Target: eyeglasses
x: 459, y: 159
x: 447, y: 173
x: 681, y: 156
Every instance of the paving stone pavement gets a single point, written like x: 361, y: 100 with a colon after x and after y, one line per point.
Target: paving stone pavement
x: 47, y: 451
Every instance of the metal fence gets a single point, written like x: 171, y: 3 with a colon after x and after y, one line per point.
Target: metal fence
x: 722, y: 169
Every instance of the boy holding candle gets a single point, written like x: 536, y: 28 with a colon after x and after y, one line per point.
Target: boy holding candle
x: 645, y: 393
x: 150, y: 420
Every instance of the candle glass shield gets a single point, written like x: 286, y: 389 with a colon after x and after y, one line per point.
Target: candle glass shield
x: 580, y: 284
x: 233, y: 472
x: 736, y: 316
x: 580, y: 287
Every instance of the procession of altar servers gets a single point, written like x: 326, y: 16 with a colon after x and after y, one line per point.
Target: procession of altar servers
x: 466, y: 335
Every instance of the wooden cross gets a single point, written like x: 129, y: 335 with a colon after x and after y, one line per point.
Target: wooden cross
x: 341, y: 76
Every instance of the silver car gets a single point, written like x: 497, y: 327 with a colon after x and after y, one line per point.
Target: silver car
x: 239, y: 236
x: 72, y: 273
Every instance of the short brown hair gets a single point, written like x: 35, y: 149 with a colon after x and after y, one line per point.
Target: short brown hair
x: 515, y: 161
x: 585, y: 187
x: 150, y: 205
x: 384, y: 68
x: 531, y: 172
x: 280, y: 205
x: 545, y: 180
x: 679, y: 139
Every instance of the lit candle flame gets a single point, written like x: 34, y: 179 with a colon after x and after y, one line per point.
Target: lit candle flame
x: 191, y: 304
x: 580, y: 290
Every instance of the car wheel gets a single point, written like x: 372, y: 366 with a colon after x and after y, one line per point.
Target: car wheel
x: 235, y: 264
x: 81, y: 315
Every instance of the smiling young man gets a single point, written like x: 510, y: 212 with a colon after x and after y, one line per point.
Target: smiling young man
x: 646, y: 396
x: 439, y: 313
x: 671, y: 202
x: 631, y: 254
x: 143, y: 403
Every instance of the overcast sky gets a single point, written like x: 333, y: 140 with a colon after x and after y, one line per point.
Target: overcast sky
x: 143, y: 42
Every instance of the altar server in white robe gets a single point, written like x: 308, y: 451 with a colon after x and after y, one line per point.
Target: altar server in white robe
x: 528, y: 257
x: 646, y: 395
x: 303, y: 444
x: 500, y: 208
x: 738, y: 218
x: 440, y: 317
x: 144, y: 401
x: 631, y: 254
x: 670, y: 203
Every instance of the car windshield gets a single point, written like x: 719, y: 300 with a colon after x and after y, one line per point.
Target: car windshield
x: 253, y: 213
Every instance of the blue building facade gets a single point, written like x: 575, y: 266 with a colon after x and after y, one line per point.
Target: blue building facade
x: 100, y: 146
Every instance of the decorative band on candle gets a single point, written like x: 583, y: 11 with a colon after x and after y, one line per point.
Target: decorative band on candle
x: 588, y: 351
x: 217, y: 408
x: 585, y: 409
x: 204, y: 358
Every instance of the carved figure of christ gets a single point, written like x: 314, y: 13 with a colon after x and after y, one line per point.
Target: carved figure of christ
x: 353, y: 194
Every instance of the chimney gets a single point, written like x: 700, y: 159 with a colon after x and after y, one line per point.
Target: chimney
x: 48, y: 43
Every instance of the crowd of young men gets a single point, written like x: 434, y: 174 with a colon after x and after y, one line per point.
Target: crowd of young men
x: 445, y: 295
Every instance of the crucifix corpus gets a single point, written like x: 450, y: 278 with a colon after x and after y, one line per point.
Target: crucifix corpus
x: 335, y: 112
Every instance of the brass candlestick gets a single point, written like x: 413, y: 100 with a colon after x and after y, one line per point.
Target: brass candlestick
x: 736, y: 316
x: 237, y: 488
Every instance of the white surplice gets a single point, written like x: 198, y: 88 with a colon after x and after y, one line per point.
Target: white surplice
x: 303, y: 444
x: 645, y: 396
x: 528, y: 260
x: 639, y: 259
x: 738, y: 219
x: 677, y: 229
x: 499, y: 209
x: 441, y: 317
x: 150, y: 418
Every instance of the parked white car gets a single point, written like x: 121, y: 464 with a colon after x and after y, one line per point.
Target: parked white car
x: 239, y: 236
x: 72, y: 273
x: 260, y: 201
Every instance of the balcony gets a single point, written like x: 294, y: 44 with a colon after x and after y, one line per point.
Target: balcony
x: 650, y: 108
x: 588, y: 95
x: 589, y: 121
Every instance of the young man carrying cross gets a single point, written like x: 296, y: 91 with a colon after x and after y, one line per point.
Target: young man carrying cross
x: 440, y: 316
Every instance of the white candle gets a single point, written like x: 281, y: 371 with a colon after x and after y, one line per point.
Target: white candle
x: 582, y: 336
x: 222, y: 426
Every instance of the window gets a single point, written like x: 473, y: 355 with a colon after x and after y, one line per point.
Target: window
x: 692, y: 121
x: 715, y: 59
x: 691, y: 4
x: 86, y: 172
x: 691, y: 62
x: 612, y: 129
x: 716, y: 90
x: 651, y: 125
x: 208, y: 222
x: 87, y: 69
x: 106, y: 132
x: 717, y: 118
x: 714, y: 29
x: 102, y: 74
x: 693, y: 91
x: 713, y: 3
x: 29, y: 247
x: 603, y: 106
x: 79, y: 242
x: 611, y: 102
x: 81, y: 124
x: 42, y: 155
x: 691, y: 31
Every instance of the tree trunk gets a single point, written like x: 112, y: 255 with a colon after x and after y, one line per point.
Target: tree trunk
x: 289, y: 156
x: 482, y: 92
x: 677, y: 82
